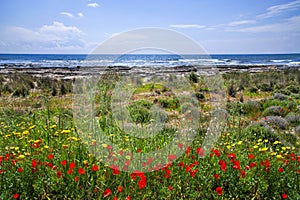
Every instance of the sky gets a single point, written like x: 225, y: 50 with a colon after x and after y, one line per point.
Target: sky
x: 220, y: 27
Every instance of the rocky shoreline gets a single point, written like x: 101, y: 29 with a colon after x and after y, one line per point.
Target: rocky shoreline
x: 70, y: 73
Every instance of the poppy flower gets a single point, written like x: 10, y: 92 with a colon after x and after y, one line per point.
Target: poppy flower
x: 58, y: 174
x: 50, y: 156
x: 231, y: 156
x: 217, y: 176
x: 95, y: 168
x: 243, y: 173
x: 284, y: 196
x: 180, y: 145
x: 76, y: 179
x: 172, y: 157
x: 120, y: 188
x: 63, y: 163
x: 16, y: 196
x: 107, y: 192
x: 236, y: 165
x: 33, y: 163
x: 219, y: 190
x: 200, y: 151
x: 81, y: 171
x: 70, y: 171
x: 280, y: 170
x: 187, y: 150
x: 72, y: 165
x: 251, y: 156
x: 170, y: 188
x: 142, y: 183
x: 128, y: 198
x: 20, y: 169
x: 115, y: 198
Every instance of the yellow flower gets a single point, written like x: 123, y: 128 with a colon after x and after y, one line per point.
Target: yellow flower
x: 276, y: 142
x: 266, y: 141
x: 21, y: 156
x: 104, y: 145
x: 66, y: 131
x: 240, y: 142
x: 126, y: 138
x: 127, y: 157
x: 111, y: 135
x: 273, y: 153
x: 255, y: 147
x: 72, y: 138
x: 46, y: 147
x: 65, y: 146
x: 27, y: 154
x: 259, y: 140
x: 279, y: 156
x: 53, y: 126
x: 25, y: 132
x: 283, y: 148
x: 85, y: 162
x: 263, y: 149
x: 228, y: 146
x: 17, y: 148
x: 32, y: 127
x: 288, y: 147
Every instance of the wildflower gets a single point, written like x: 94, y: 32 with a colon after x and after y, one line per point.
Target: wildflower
x: 217, y: 176
x: 120, y: 188
x: 33, y: 163
x: 170, y: 188
x: 63, y: 163
x: 21, y: 156
x: 50, y: 156
x: 16, y: 196
x: 276, y: 142
x: 236, y: 165
x: 200, y: 151
x: 280, y: 170
x: 219, y: 190
x: 279, y: 156
x: 70, y: 171
x: 255, y: 146
x: 72, y: 165
x: 58, y: 174
x: 107, y: 192
x: 251, y: 156
x: 81, y: 171
x: 128, y: 198
x: 243, y: 173
x: 231, y: 156
x: 284, y: 196
x: 20, y: 169
x: 180, y: 145
x: 115, y: 198
x: 171, y: 157
x: 188, y: 150
x: 95, y: 168
x: 76, y: 179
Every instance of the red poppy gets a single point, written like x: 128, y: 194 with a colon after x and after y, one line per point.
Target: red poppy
x: 95, y: 168
x: 200, y: 151
x: 150, y: 161
x: 72, y: 165
x: 251, y: 156
x: 181, y: 164
x: 219, y: 190
x: 280, y: 169
x: 76, y: 179
x: 107, y: 192
x: 70, y: 171
x: 120, y: 188
x: 267, y: 164
x: 138, y: 150
x: 236, y: 165
x: 58, y: 174
x: 142, y: 183
x: 216, y: 152
x: 115, y: 198
x: 33, y: 163
x: 128, y: 198
x: 243, y: 173
x: 284, y: 196
x: 231, y: 156
x: 16, y: 196
x: 50, y: 156
x: 170, y: 188
x: 187, y: 150
x: 20, y: 169
x: 180, y: 145
x: 63, y: 163
x: 217, y: 176
x: 81, y: 171
x: 172, y: 157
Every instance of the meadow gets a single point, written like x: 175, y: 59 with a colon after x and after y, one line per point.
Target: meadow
x: 43, y: 156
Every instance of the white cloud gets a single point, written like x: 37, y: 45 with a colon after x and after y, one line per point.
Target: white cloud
x: 242, y: 22
x: 70, y: 15
x: 93, y: 5
x: 278, y: 9
x: 55, y: 37
x: 187, y: 26
x: 291, y: 25
x: 80, y: 14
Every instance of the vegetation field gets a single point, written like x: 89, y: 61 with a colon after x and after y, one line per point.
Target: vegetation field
x: 43, y: 156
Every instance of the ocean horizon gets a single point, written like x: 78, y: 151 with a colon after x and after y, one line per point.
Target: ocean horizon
x: 146, y: 60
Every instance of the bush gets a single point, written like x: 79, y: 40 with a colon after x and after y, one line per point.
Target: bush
x: 293, y: 89
x: 297, y: 129
x: 193, y: 78
x: 276, y: 121
x: 274, y: 110
x: 200, y: 96
x: 293, y: 118
x: 251, y: 107
x: 280, y: 96
x: 264, y: 87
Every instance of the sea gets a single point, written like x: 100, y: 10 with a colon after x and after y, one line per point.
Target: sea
x: 145, y: 60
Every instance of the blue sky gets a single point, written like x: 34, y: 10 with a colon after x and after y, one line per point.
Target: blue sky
x: 78, y: 26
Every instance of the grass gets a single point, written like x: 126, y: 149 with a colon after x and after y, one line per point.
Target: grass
x: 44, y: 155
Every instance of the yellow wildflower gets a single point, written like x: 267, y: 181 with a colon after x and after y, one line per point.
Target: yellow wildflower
x: 279, y: 156
x: 259, y: 140
x: 255, y: 147
x: 239, y: 142
x: 104, y: 145
x: 21, y: 156
x: 266, y: 141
